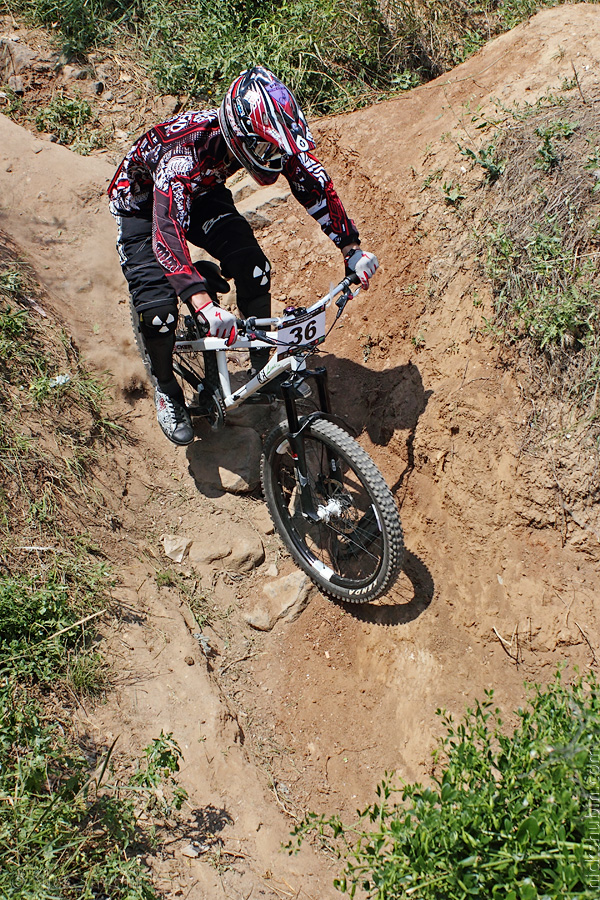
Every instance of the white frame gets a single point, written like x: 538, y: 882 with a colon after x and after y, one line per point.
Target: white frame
x: 273, y: 368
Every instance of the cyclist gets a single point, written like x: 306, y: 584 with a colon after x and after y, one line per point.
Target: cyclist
x: 170, y: 189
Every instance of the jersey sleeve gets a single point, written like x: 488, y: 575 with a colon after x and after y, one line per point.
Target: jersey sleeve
x: 312, y: 187
x: 171, y: 216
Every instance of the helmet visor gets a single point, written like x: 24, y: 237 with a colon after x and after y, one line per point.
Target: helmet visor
x: 265, y: 153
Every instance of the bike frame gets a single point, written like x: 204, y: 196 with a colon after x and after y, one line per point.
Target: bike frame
x: 255, y: 337
x: 295, y: 362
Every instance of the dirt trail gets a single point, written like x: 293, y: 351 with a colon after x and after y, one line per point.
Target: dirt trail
x: 310, y: 714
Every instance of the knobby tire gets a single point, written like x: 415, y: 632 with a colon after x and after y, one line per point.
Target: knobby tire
x: 357, y: 552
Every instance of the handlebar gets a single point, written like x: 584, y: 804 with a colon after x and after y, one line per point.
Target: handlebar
x: 342, y: 289
x: 254, y: 328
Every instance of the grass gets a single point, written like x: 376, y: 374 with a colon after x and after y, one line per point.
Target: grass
x: 41, y: 375
x: 71, y: 121
x: 46, y: 617
x: 539, y: 234
x: 70, y: 810
x: 336, y: 55
x: 71, y: 829
x: 507, y: 815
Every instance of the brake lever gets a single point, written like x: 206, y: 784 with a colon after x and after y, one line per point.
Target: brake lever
x: 342, y: 300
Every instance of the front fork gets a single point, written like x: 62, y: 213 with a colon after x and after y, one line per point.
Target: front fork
x: 295, y: 438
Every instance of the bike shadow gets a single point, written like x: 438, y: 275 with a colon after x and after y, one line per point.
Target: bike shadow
x: 404, y: 602
x: 386, y: 404
x: 377, y: 402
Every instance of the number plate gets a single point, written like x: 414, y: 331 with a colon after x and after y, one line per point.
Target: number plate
x: 307, y: 330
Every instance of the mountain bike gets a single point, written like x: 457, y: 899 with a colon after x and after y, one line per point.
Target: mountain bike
x: 327, y: 499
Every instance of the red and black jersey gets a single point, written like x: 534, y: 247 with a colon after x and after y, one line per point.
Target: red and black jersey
x: 184, y: 158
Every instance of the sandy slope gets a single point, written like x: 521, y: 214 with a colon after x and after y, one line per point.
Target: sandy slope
x: 327, y: 703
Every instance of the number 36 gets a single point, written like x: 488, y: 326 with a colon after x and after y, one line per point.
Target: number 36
x: 303, y: 334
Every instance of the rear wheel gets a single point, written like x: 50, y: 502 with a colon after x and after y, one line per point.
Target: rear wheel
x: 355, y: 550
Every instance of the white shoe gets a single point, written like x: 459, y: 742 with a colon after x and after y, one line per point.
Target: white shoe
x: 173, y: 418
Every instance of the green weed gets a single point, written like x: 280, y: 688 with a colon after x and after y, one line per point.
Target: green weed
x: 453, y: 194
x: 486, y: 157
x: 70, y: 119
x: 13, y: 326
x: 548, y: 155
x: 11, y: 282
x: 510, y: 816
x: 158, y: 767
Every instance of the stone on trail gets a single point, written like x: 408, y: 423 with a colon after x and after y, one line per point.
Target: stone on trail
x: 285, y: 598
x: 247, y: 552
x: 232, y: 547
x: 238, y: 550
x: 206, y: 550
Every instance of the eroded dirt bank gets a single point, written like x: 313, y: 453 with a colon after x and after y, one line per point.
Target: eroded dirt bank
x: 499, y: 586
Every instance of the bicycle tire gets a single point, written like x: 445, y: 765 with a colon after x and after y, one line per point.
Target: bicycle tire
x: 357, y: 553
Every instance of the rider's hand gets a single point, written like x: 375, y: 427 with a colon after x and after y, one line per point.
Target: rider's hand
x: 221, y: 323
x: 362, y: 262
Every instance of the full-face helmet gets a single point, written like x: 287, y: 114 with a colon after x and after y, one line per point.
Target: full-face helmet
x: 262, y: 124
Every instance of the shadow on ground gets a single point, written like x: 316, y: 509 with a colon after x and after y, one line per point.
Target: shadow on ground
x: 404, y: 602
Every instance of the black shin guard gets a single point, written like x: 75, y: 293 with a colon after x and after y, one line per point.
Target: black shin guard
x: 160, y: 351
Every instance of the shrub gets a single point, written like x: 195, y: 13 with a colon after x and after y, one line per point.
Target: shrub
x: 512, y: 816
x: 68, y: 829
x: 335, y: 55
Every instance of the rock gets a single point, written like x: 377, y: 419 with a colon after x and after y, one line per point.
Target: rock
x: 260, y: 620
x: 14, y: 58
x: 285, y: 599
x: 262, y: 520
x: 247, y: 552
x: 238, y: 548
x: 175, y: 547
x: 15, y: 83
x: 227, y: 460
x: 167, y: 106
x: 207, y: 550
x: 190, y: 661
x: 257, y: 221
x: 73, y: 73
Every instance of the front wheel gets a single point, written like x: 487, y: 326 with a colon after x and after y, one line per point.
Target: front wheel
x: 355, y: 550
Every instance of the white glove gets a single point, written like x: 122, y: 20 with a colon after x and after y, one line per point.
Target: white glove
x: 362, y: 262
x: 221, y: 323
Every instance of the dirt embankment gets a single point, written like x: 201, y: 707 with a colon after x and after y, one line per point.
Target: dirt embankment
x: 499, y: 585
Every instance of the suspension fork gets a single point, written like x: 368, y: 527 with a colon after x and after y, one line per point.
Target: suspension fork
x: 295, y: 438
